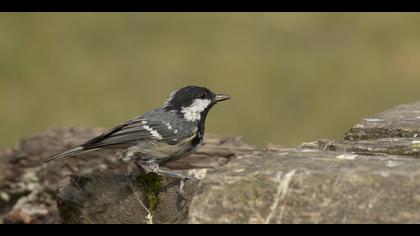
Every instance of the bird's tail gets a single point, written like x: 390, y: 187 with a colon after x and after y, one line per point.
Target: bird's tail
x: 72, y: 152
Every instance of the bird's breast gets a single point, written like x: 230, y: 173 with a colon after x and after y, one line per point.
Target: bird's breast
x: 162, y: 151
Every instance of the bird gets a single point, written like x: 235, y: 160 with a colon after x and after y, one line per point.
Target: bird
x: 159, y: 136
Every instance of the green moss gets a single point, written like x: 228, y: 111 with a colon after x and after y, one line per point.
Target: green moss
x: 152, y: 184
x: 72, y: 214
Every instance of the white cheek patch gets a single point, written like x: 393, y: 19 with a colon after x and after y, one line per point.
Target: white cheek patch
x: 192, y: 112
x: 153, y: 132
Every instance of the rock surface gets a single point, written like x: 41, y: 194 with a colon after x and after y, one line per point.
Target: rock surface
x: 400, y: 121
x: 119, y: 199
x: 354, y: 180
x: 28, y: 186
x: 310, y: 186
x: 392, y: 132
x: 372, y: 175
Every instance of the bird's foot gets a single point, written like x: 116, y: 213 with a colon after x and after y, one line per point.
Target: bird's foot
x: 181, y: 186
x: 180, y: 176
x: 154, y: 167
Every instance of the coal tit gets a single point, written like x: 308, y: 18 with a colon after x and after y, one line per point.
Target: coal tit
x: 160, y: 136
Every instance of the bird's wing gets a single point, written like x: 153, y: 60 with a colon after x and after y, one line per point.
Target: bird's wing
x: 89, y: 145
x: 136, y: 130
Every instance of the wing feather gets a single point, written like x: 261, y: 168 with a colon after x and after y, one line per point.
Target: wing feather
x: 126, y: 134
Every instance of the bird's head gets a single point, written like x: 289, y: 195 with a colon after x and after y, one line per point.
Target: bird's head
x: 193, y: 102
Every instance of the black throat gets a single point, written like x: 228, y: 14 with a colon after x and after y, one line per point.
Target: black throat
x: 201, y: 126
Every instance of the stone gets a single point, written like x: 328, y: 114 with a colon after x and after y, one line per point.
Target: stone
x: 28, y: 185
x: 119, y: 199
x: 215, y: 152
x: 400, y: 121
x: 310, y: 186
x: 372, y: 175
x: 393, y: 146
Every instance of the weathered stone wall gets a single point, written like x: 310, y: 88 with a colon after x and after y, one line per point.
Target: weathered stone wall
x: 372, y: 175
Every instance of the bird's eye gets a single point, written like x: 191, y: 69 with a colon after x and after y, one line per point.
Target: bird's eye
x: 203, y: 95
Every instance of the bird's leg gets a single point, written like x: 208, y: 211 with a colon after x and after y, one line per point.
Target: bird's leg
x: 155, y: 168
x: 181, y: 178
x: 145, y: 167
x: 172, y: 174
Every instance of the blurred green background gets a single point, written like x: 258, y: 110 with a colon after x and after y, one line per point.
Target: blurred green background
x: 293, y: 77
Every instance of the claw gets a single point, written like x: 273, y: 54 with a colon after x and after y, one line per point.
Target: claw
x: 181, y: 186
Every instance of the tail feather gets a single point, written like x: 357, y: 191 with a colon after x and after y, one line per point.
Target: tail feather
x: 72, y: 152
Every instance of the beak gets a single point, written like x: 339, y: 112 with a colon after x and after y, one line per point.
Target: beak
x: 221, y: 97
